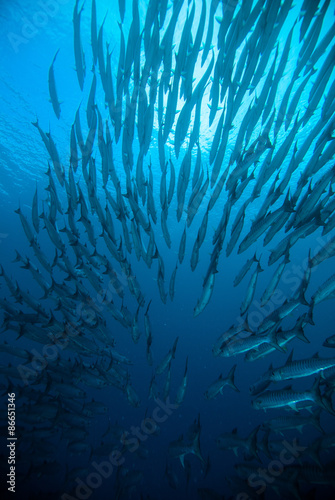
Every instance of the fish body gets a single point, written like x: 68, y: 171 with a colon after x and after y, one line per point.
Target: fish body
x: 78, y: 50
x: 251, y: 290
x: 217, y: 387
x: 206, y: 294
x: 182, y: 388
x: 301, y: 368
x: 52, y: 88
x: 287, y: 398
x: 180, y: 448
x: 232, y: 441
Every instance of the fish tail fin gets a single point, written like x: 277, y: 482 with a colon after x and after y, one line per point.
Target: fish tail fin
x: 265, y: 444
x: 301, y: 295
x: 18, y: 257
x: 246, y: 325
x: 315, y: 420
x: 323, y: 402
x: 288, y: 205
x: 310, y: 260
x: 174, y: 347
x: 252, y: 442
x: 148, y: 307
x: 273, y: 340
x: 309, y: 317
x: 196, y: 447
x: 21, y: 331
x: 326, y: 404
x: 287, y: 256
x: 314, y: 452
x: 231, y: 381
x: 300, y: 334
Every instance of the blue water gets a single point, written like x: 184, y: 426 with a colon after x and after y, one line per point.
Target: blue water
x: 29, y: 40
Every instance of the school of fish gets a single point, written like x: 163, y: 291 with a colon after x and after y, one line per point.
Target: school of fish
x: 108, y: 206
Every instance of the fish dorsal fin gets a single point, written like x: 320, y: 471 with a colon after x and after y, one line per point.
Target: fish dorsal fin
x: 316, y: 355
x: 288, y: 388
x: 234, y: 431
x: 220, y: 377
x: 289, y: 359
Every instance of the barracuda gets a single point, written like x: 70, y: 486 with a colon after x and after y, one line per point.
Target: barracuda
x: 288, y: 397
x: 301, y: 368
x: 217, y: 386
